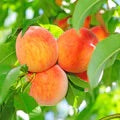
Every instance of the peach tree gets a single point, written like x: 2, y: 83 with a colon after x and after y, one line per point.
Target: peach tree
x: 56, y: 51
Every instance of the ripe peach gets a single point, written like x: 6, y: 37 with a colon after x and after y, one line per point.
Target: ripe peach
x: 87, y: 22
x: 75, y: 49
x: 99, y: 32
x: 58, y: 2
x: 49, y: 87
x: 83, y: 76
x: 37, y: 48
x: 62, y: 23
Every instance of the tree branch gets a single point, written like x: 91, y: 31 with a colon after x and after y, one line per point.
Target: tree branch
x: 111, y: 117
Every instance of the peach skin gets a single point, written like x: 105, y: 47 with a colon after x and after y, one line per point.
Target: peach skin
x: 75, y: 49
x: 99, y: 32
x: 37, y: 48
x: 87, y: 22
x: 49, y: 87
x: 83, y: 76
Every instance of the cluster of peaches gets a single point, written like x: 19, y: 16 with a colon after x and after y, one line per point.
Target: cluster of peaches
x: 49, y: 59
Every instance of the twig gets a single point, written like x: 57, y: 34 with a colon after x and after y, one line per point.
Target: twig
x: 111, y: 117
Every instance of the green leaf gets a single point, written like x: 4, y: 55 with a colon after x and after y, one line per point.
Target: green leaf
x: 34, y: 21
x: 108, y: 15
x: 83, y: 9
x: 29, y: 22
x: 14, y: 33
x: 86, y: 113
x: 94, y: 21
x: 4, y: 14
x: 8, y: 82
x: 36, y: 114
x: 111, y: 61
x: 55, y: 30
x: 112, y: 74
x: 24, y: 102
x: 104, y: 50
x: 7, y: 53
x: 62, y: 15
x: 70, y: 93
x: 118, y: 56
x: 2, y: 78
x: 4, y: 69
x: 74, y: 95
x: 107, y: 76
x: 113, y: 23
x: 24, y: 68
x: 8, y: 110
x: 77, y: 81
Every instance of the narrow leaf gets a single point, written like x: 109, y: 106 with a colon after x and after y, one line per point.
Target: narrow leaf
x: 4, y: 69
x: 36, y: 114
x: 83, y: 9
x: 7, y: 83
x: 34, y: 21
x: 74, y: 95
x: 104, y: 50
x: 77, y: 81
x: 24, y: 102
x: 8, y: 110
x: 7, y: 53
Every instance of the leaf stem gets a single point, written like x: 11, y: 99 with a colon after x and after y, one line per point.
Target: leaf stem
x: 111, y: 117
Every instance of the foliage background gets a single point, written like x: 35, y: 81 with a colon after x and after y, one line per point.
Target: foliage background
x: 101, y: 101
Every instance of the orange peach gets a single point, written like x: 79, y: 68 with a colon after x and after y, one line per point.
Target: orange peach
x: 58, y: 2
x: 75, y: 49
x: 37, y: 48
x: 99, y: 32
x: 62, y: 23
x: 49, y: 87
x: 87, y: 22
x: 83, y: 76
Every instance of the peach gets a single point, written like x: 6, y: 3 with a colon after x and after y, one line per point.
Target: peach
x: 83, y: 76
x: 62, y: 23
x: 50, y: 86
x: 58, y: 2
x: 37, y: 48
x: 75, y: 49
x: 87, y: 22
x: 99, y: 32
